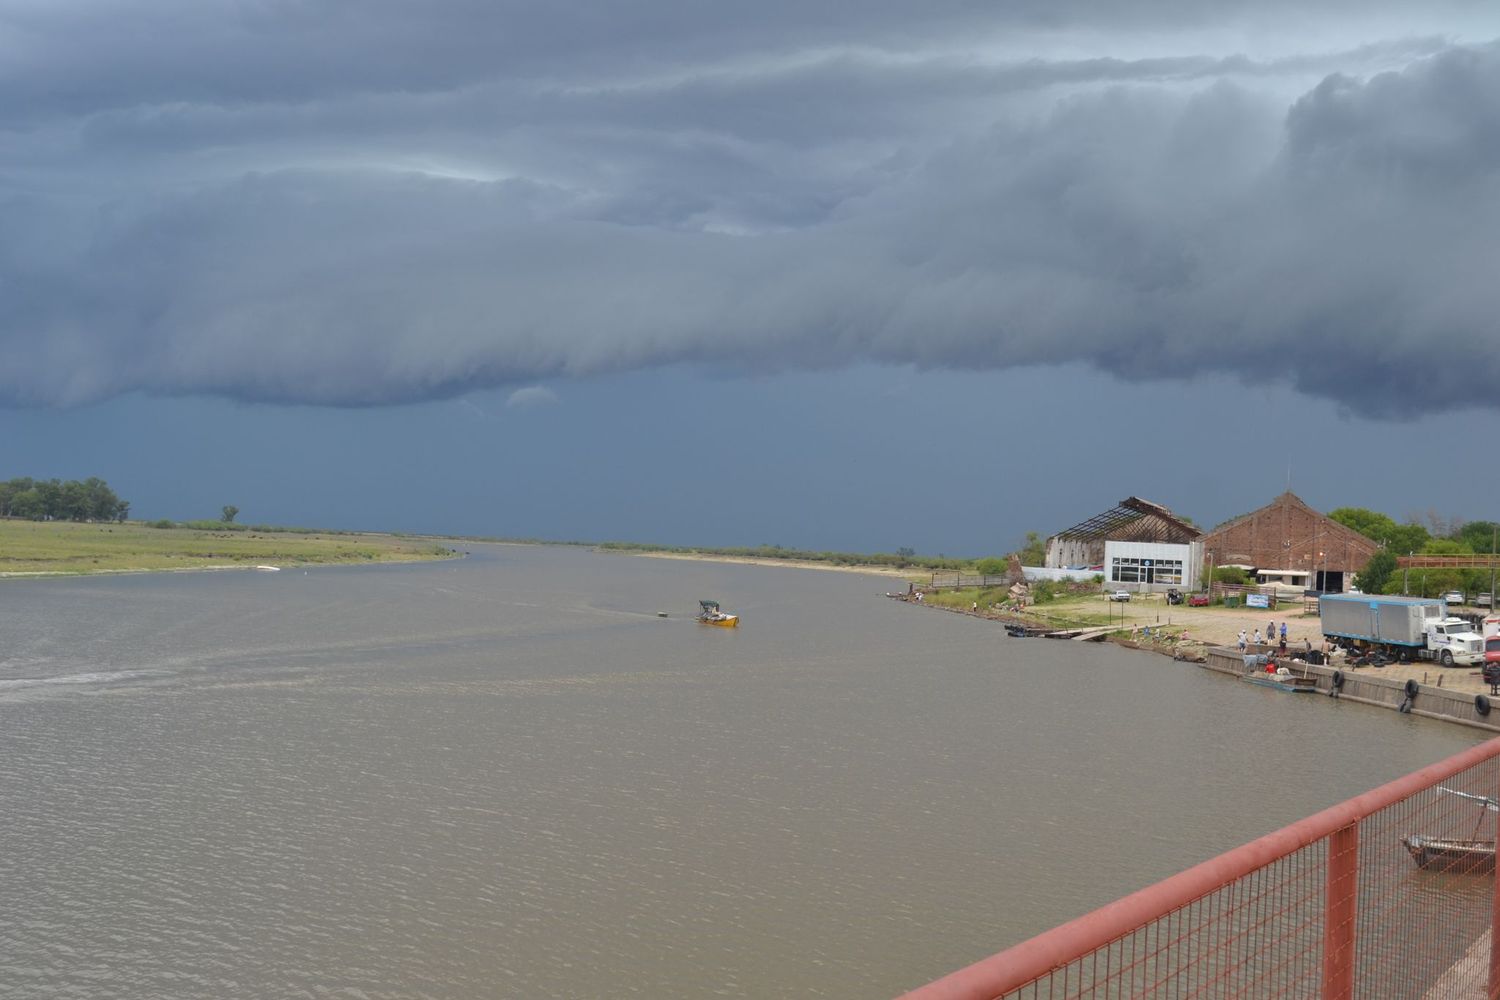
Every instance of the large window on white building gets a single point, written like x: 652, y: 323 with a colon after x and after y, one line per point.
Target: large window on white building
x: 1128, y: 570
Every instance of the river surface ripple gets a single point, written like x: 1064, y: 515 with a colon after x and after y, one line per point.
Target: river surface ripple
x: 507, y: 777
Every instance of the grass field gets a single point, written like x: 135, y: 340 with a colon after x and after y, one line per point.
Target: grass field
x: 58, y: 547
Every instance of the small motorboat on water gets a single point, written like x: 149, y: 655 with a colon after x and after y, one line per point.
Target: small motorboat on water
x: 1284, y: 680
x: 1450, y: 854
x: 711, y: 615
x: 1440, y: 854
x: 1261, y: 671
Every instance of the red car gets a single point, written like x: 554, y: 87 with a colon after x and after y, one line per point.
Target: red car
x: 1492, y: 661
x: 1198, y: 601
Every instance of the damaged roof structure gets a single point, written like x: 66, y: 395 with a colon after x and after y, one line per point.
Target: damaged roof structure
x: 1133, y: 520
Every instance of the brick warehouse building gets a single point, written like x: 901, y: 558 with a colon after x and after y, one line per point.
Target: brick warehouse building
x: 1287, y: 542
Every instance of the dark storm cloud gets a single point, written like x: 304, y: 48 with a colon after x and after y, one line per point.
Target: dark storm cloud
x: 355, y: 204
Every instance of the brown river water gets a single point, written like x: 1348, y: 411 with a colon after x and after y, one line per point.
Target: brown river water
x: 505, y: 776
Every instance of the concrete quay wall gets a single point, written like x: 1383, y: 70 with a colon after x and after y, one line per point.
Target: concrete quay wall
x: 1367, y: 687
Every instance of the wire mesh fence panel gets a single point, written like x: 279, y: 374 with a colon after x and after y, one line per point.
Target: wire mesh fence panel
x: 1257, y: 937
x: 1390, y: 895
x: 1426, y: 885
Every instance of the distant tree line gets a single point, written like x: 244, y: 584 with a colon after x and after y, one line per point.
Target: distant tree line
x: 56, y: 500
x: 1440, y: 536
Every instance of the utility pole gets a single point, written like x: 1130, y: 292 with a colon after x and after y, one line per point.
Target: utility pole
x: 1405, y: 571
x: 1494, y: 532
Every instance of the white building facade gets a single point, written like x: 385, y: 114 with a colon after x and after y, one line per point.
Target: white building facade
x: 1153, y: 566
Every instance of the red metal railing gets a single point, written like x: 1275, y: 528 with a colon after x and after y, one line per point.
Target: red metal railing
x: 1334, y: 906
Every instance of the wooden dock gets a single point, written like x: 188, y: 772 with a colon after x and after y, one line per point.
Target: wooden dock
x: 1095, y: 633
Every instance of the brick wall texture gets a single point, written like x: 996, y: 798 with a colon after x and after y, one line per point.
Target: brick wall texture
x: 1288, y: 534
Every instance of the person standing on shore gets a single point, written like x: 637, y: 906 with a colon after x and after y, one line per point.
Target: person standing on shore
x: 1242, y: 640
x: 1257, y: 637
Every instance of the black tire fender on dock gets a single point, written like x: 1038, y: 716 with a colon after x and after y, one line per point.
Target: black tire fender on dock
x: 1481, y: 705
x: 1412, y: 687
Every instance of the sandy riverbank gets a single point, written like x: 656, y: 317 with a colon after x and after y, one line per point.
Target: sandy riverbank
x: 1191, y: 631
x: 882, y: 571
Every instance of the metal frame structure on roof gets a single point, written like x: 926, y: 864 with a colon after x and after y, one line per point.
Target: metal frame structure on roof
x: 1159, y: 524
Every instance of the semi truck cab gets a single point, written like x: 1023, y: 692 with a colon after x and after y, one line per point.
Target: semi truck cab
x: 1454, y: 641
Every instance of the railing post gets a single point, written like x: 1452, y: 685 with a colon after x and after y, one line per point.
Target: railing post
x: 1340, y: 908
x: 1493, y: 991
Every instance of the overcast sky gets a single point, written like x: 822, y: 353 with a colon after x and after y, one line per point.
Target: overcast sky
x: 807, y: 273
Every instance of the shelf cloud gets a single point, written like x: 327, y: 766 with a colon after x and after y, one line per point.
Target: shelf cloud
x: 355, y: 205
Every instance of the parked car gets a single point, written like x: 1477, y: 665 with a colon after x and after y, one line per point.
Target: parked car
x: 1481, y: 600
x: 1199, y: 601
x: 1453, y: 597
x: 1119, y: 595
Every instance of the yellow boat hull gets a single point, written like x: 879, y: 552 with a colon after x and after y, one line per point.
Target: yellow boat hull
x: 723, y: 621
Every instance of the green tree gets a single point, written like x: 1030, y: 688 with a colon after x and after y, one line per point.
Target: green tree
x: 1376, y: 575
x: 8, y: 491
x: 1479, y: 536
x: 28, y: 504
x: 229, y: 512
x: 72, y: 502
x: 1372, y: 524
x: 1442, y: 580
x: 50, y: 495
x: 101, y: 501
x: 992, y: 566
x: 1232, y: 575
x: 1034, y: 552
x: 1407, y: 538
x: 1367, y: 522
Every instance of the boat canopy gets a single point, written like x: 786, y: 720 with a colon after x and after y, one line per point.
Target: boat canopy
x: 709, y: 605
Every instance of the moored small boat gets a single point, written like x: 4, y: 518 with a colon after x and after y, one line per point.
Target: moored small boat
x: 711, y: 615
x: 1440, y: 854
x: 1282, y: 680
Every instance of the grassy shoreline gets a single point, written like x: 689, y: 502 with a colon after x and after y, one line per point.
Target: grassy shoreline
x: 64, y: 548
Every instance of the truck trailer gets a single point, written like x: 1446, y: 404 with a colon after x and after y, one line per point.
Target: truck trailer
x: 1403, y: 627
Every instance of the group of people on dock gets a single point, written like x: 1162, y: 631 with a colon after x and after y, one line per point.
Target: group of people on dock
x: 1270, y: 638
